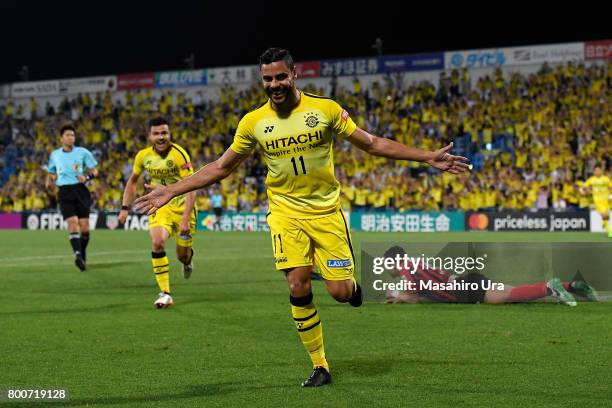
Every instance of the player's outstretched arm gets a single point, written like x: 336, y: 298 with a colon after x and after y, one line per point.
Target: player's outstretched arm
x: 207, y: 175
x: 379, y: 146
x: 128, y: 196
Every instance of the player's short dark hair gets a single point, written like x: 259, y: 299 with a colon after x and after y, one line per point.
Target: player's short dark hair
x: 66, y: 127
x: 394, y: 250
x: 276, y: 54
x: 158, y: 121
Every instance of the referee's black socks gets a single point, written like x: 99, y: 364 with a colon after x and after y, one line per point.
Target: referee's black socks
x: 84, y: 242
x: 75, y: 242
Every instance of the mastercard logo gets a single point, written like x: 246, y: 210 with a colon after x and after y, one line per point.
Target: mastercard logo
x: 478, y: 221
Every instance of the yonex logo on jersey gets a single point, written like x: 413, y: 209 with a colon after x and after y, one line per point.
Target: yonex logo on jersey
x: 338, y: 263
x: 268, y: 129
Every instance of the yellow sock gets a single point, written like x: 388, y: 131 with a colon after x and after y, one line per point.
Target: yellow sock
x: 308, y: 324
x: 161, y: 268
x: 184, y: 241
x: 606, y: 225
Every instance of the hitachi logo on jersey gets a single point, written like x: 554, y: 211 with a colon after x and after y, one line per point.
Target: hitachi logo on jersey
x: 338, y: 263
x: 294, y: 140
x: 163, y: 172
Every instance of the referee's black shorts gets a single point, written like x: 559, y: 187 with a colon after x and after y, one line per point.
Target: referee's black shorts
x: 74, y: 199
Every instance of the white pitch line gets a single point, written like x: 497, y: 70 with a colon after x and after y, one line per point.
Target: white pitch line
x: 66, y: 258
x: 43, y: 257
x: 92, y: 254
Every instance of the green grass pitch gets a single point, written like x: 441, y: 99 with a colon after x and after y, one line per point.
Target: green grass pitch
x: 229, y: 340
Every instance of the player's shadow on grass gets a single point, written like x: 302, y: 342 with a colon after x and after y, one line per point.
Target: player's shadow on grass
x: 371, y: 366
x: 203, y: 390
x: 236, y: 282
x: 93, y: 266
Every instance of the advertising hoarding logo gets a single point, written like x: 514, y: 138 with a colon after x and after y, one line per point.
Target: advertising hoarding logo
x: 112, y: 221
x: 522, y: 55
x: 136, y: 81
x: 308, y: 69
x: 538, y: 54
x: 231, y: 75
x: 410, y: 221
x: 598, y: 50
x: 529, y: 221
x: 39, y: 88
x: 170, y: 79
x: 418, y: 62
x: 476, y: 58
x: 478, y: 221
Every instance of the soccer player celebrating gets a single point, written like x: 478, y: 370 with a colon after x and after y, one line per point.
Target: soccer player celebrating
x: 73, y: 166
x: 166, y: 163
x: 486, y: 293
x: 295, y: 131
x: 599, y: 186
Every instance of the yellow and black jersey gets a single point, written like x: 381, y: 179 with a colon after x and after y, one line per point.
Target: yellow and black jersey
x: 600, y: 187
x: 168, y: 169
x: 298, y: 150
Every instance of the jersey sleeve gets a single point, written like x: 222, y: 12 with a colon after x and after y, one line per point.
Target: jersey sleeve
x: 186, y: 168
x: 589, y: 182
x: 341, y: 121
x: 244, y: 140
x: 138, y: 166
x: 90, y: 161
x: 51, y: 167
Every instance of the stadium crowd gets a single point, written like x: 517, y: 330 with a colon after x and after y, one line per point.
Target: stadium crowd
x: 532, y: 139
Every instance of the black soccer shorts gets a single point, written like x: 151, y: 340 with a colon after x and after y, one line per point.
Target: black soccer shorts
x: 74, y: 199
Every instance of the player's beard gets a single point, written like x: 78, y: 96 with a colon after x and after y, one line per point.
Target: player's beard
x: 285, y: 91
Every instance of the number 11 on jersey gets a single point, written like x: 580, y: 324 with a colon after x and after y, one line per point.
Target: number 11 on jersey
x: 295, y: 168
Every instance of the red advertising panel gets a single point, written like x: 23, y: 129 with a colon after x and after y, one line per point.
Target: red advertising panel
x: 135, y: 81
x: 598, y: 50
x: 308, y: 69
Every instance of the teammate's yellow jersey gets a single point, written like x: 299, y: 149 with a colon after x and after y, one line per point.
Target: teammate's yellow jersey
x: 298, y: 150
x: 600, y: 187
x: 165, y: 170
